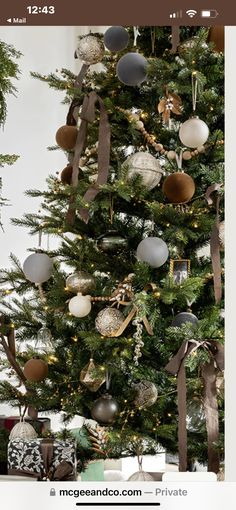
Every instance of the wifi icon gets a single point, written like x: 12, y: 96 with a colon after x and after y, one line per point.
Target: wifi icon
x: 191, y: 13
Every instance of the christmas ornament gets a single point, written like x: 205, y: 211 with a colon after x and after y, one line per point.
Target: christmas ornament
x: 222, y: 233
x: 66, y: 174
x: 36, y: 370
x: 80, y: 306
x: 43, y: 343
x: 116, y: 39
x: 112, y: 242
x: 216, y: 36
x: 81, y: 281
x: 138, y: 339
x: 23, y: 430
x: 179, y: 188
x: 92, y: 376
x: 37, y: 268
x: 98, y: 436
x: 66, y: 137
x: 153, y: 250
x: 196, y: 419
x: 132, y: 69
x: 105, y: 409
x: 146, y: 394
x: 44, y: 335
x: 171, y: 103
x: 184, y: 318
x: 193, y: 132
x: 90, y: 50
x: 108, y: 321
x: 145, y: 165
x: 141, y: 476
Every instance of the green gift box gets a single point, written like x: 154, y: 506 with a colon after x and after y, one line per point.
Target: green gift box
x: 94, y: 472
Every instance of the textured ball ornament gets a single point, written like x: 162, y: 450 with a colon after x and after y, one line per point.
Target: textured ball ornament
x: 81, y: 281
x: 66, y: 137
x: 108, y: 321
x: 179, y: 188
x: 184, y: 318
x: 146, y: 394
x: 112, y: 242
x: 80, y: 306
x: 193, y: 132
x: 141, y: 476
x: 116, y: 38
x: 37, y: 268
x: 153, y: 250
x: 145, y: 165
x: 105, y: 409
x: 132, y: 69
x: 36, y: 370
x: 66, y: 174
x: 90, y: 50
x: 23, y: 430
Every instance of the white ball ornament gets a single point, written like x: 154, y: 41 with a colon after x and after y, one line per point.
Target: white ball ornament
x: 90, y: 50
x: 80, y: 306
x: 153, y: 250
x: 37, y: 268
x: 145, y: 165
x: 193, y: 132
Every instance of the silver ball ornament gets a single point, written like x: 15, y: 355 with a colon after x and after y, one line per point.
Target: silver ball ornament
x: 116, y: 38
x: 146, y: 394
x: 80, y: 306
x: 153, y: 250
x: 132, y: 69
x: 193, y: 132
x: 108, y: 321
x: 145, y: 165
x: 81, y: 281
x: 37, y: 268
x: 184, y: 318
x: 105, y: 409
x: 90, y: 50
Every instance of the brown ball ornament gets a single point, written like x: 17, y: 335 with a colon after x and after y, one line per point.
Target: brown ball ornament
x: 36, y: 370
x: 66, y: 137
x: 66, y: 174
x: 178, y: 188
x: 216, y: 35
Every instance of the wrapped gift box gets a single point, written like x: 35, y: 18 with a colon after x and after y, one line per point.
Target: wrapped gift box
x: 40, y: 424
x: 42, y: 459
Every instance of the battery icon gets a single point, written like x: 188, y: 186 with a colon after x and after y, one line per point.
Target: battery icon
x: 209, y: 13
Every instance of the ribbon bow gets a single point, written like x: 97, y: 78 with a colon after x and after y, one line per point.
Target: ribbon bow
x: 209, y: 371
x: 63, y: 471
x: 88, y: 116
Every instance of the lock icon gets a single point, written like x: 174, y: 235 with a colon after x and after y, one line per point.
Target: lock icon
x: 52, y: 492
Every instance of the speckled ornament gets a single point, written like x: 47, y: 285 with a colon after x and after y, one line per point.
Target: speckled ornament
x: 90, y: 50
x: 108, y: 321
x: 145, y: 165
x: 179, y: 188
x: 184, y: 318
x: 146, y: 394
x: 81, y: 281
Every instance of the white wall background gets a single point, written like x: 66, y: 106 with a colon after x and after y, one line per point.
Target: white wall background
x: 33, y: 119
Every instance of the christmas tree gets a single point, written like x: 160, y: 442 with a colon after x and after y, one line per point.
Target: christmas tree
x: 98, y: 328
x: 9, y: 71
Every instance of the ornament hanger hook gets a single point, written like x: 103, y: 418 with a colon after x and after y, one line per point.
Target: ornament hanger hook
x: 194, y: 90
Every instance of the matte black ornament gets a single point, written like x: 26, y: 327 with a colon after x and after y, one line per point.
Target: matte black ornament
x: 111, y: 242
x: 184, y: 318
x: 105, y: 409
x: 116, y: 38
x: 132, y: 69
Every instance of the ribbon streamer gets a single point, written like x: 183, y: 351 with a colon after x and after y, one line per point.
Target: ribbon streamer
x: 215, y: 241
x: 176, y: 367
x: 175, y: 40
x: 88, y: 116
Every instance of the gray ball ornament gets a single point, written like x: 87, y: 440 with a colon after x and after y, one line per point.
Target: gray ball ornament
x: 105, y: 409
x: 37, y: 268
x: 184, y: 318
x: 153, y: 250
x: 132, y: 69
x: 116, y: 39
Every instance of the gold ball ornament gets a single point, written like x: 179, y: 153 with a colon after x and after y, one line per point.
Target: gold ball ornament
x: 145, y: 165
x: 108, y: 321
x: 66, y: 137
x: 81, y: 281
x: 90, y: 50
x: 178, y: 188
x: 35, y: 370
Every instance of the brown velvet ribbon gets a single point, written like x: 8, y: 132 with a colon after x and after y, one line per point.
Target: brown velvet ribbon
x: 87, y: 116
x: 215, y: 242
x: 174, y: 38
x: 176, y: 366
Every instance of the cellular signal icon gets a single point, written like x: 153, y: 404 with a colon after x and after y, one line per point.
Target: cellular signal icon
x: 177, y: 14
x: 191, y: 13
